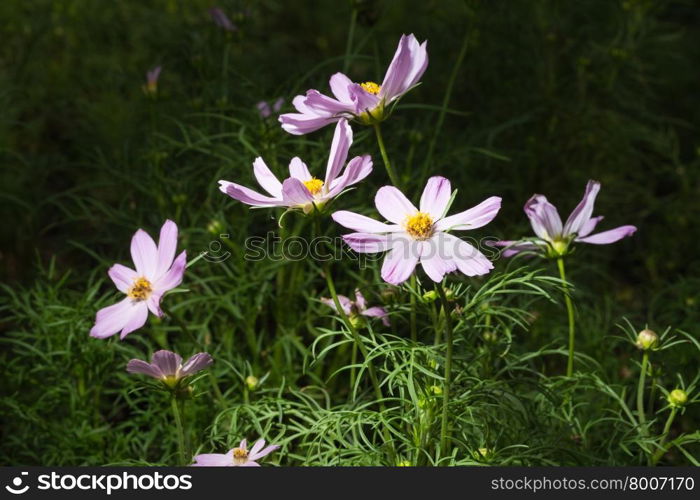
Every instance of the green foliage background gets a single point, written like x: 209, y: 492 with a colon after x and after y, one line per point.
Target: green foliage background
x: 549, y: 94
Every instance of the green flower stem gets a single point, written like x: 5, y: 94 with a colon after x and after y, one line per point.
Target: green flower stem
x: 414, y: 329
x: 667, y: 428
x: 641, y: 416
x: 570, y: 312
x: 389, y: 169
x: 444, y: 437
x: 180, y: 430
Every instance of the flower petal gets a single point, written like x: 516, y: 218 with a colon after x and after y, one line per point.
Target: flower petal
x: 367, y: 242
x: 433, y: 260
x: 393, y: 205
x: 252, y: 456
x: 139, y: 315
x: 400, y: 262
x: 583, y: 211
x: 294, y: 193
x: 298, y: 170
x: 300, y: 124
x: 140, y: 366
x: 196, y: 363
x: 167, y: 244
x: 377, y: 312
x: 123, y: 277
x: 345, y: 303
x: 362, y: 223
x: 589, y: 226
x: 340, y: 87
x: 214, y: 459
x: 360, y: 301
x: 398, y: 70
x: 267, y: 180
x: 473, y: 218
x: 468, y: 259
x: 514, y: 247
x: 247, y: 196
x: 342, y: 139
x: 611, y: 236
x: 436, y: 195
x: 544, y: 218
x: 173, y: 277
x: 111, y: 319
x: 357, y: 169
x: 167, y: 361
x: 144, y: 254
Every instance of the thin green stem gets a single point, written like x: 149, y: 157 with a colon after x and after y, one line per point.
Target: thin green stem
x: 180, y: 430
x: 570, y: 312
x: 382, y: 149
x: 414, y: 328
x: 667, y: 428
x: 641, y: 414
x: 444, y: 437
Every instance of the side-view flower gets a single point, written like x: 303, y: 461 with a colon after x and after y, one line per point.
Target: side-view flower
x: 355, y: 308
x: 236, y: 457
x: 365, y: 102
x: 157, y: 271
x: 302, y: 190
x: 168, y: 367
x: 553, y: 238
x: 420, y: 235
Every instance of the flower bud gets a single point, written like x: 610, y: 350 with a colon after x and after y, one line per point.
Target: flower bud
x: 490, y: 337
x: 215, y: 227
x: 481, y: 453
x: 647, y: 339
x: 430, y: 296
x: 436, y: 389
x: 252, y: 382
x: 404, y: 463
x: 677, y: 398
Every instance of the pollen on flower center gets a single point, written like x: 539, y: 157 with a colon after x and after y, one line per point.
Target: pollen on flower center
x: 314, y: 185
x: 240, y: 456
x: 370, y: 87
x: 141, y: 290
x: 419, y: 225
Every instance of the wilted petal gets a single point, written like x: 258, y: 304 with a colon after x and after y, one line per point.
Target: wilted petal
x: 361, y: 223
x: 473, y: 218
x: 610, y: 236
x: 140, y: 366
x: 393, y: 205
x: 144, y: 253
x: 168, y: 362
x: 123, y: 277
x: 196, y: 363
x: 435, y: 197
x: 267, y: 180
x: 342, y: 139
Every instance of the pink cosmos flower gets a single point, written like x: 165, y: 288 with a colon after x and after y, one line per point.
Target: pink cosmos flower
x: 152, y: 76
x: 553, y: 238
x: 265, y: 110
x: 302, y: 190
x: 236, y: 457
x: 157, y: 271
x: 365, y: 102
x: 420, y: 235
x: 358, y: 307
x: 221, y: 19
x: 167, y: 366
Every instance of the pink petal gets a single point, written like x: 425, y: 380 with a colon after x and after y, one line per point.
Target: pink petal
x: 322, y: 104
x: 515, y: 247
x: 144, y: 254
x: 345, y: 303
x: 140, y: 366
x: 167, y: 244
x: 398, y: 70
x: 247, y: 196
x: 173, y: 277
x: 611, y: 236
x: 361, y: 223
x: 298, y: 170
x: 267, y: 180
x: 360, y: 301
x: 473, y: 218
x: 419, y: 61
x: 544, y: 217
x: 583, y: 211
x: 468, y: 259
x: 400, y: 262
x: 256, y: 455
x: 363, y: 101
x: 300, y: 124
x: 432, y: 261
x: 153, y: 303
x: 139, y: 315
x: 393, y: 205
x: 111, y: 319
x: 294, y: 193
x: 589, y: 226
x: 342, y: 139
x: 339, y: 86
x: 435, y: 197
x: 214, y: 460
x: 377, y: 312
x: 196, y: 363
x: 123, y: 277
x: 167, y: 361
x: 357, y: 169
x: 367, y: 242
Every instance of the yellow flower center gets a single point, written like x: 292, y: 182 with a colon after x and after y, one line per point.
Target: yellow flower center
x: 371, y: 87
x: 419, y: 225
x: 314, y: 185
x: 240, y: 456
x: 141, y: 290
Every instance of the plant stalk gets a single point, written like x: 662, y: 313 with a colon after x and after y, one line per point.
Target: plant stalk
x: 444, y: 434
x: 570, y: 313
